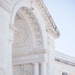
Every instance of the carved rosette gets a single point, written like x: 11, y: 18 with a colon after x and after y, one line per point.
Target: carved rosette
x: 24, y: 73
x: 34, y: 24
x: 21, y: 36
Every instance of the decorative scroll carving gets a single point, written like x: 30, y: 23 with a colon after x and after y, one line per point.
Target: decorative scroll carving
x: 21, y: 36
x: 34, y: 25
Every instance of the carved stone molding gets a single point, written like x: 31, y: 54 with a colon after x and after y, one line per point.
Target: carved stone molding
x: 31, y: 57
x: 12, y: 28
x: 21, y: 37
x: 32, y: 52
x: 34, y: 24
x: 51, y: 27
x: 6, y: 5
x: 65, y: 59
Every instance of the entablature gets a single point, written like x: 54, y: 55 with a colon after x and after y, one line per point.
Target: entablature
x: 51, y: 26
x: 30, y: 57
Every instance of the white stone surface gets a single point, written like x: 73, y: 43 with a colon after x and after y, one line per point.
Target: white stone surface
x: 64, y: 63
x: 27, y: 34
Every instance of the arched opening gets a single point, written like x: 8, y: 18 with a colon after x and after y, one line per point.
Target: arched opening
x: 21, y: 35
x: 26, y: 37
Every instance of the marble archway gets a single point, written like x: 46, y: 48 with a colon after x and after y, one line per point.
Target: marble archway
x: 25, y: 16
x: 28, y: 47
x: 27, y: 36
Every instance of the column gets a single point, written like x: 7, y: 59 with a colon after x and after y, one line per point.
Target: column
x: 43, y: 68
x: 36, y: 68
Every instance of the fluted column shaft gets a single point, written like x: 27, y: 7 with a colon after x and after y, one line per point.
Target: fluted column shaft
x: 36, y: 68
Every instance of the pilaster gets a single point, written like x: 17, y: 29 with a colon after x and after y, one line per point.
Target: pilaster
x: 51, y: 59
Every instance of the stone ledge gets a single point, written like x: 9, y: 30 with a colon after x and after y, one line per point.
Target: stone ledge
x: 66, y: 59
x: 31, y: 52
x: 41, y: 57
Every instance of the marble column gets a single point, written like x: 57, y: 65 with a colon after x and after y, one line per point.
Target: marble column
x: 36, y: 68
x: 43, y: 68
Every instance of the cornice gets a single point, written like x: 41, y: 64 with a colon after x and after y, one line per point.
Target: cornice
x: 66, y: 59
x: 51, y: 27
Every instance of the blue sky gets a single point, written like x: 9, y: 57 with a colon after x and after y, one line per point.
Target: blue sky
x: 63, y: 13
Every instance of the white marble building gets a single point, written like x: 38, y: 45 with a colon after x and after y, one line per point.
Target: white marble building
x: 27, y: 34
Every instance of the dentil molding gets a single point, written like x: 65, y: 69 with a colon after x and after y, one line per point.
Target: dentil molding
x: 51, y: 26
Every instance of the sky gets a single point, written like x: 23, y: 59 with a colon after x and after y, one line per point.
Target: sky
x: 63, y: 14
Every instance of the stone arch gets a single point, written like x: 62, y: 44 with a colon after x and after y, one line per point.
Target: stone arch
x: 23, y: 72
x: 36, y: 30
x: 16, y: 7
x: 33, y: 23
x: 24, y: 68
